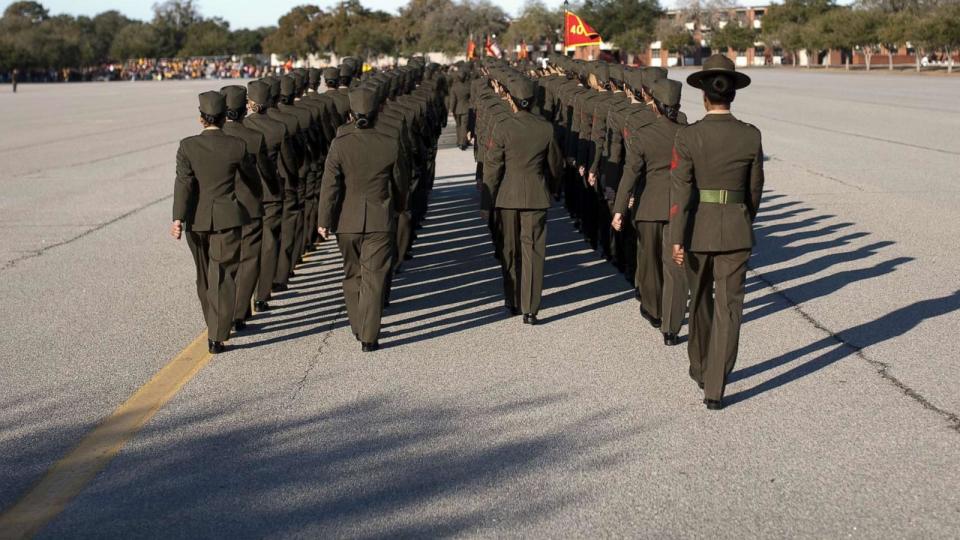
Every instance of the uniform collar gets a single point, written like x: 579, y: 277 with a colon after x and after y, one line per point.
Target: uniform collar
x: 718, y: 116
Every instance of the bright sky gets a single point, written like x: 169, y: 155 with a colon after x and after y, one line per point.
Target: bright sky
x: 240, y: 13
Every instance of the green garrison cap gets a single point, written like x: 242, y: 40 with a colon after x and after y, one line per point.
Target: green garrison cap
x: 258, y: 92
x: 616, y: 72
x: 718, y: 64
x: 212, y: 103
x: 297, y: 82
x: 666, y: 91
x: 602, y: 72
x: 313, y: 77
x: 363, y: 100
x: 651, y: 75
x: 235, y: 96
x: 634, y: 79
x: 274, y: 86
x: 287, y: 85
x: 521, y: 88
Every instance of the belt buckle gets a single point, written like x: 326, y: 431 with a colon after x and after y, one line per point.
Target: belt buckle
x: 723, y: 196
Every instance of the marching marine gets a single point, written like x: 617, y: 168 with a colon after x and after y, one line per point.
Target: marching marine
x: 717, y: 184
x: 211, y: 168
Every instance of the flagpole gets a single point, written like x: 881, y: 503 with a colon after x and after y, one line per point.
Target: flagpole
x: 566, y: 7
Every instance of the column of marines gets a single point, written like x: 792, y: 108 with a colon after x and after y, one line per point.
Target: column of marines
x: 280, y: 164
x: 670, y: 204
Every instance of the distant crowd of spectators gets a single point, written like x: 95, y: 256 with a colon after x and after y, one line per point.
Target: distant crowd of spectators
x: 145, y: 69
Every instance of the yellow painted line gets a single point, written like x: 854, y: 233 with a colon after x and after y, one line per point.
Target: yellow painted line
x: 69, y: 476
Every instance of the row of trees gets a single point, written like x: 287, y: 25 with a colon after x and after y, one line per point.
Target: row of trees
x: 869, y: 27
x: 31, y: 37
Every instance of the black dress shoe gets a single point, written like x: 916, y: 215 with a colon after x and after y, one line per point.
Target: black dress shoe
x: 713, y: 404
x: 654, y: 322
x: 278, y: 287
x: 369, y: 347
x: 511, y: 311
x: 530, y: 319
x: 239, y: 325
x: 215, y: 347
x: 670, y: 339
x: 260, y: 305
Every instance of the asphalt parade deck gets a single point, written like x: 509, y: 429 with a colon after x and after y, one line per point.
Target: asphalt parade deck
x: 843, y: 407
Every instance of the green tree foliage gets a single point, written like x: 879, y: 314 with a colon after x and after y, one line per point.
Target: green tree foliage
x: 296, y: 33
x: 244, y: 41
x: 861, y: 30
x: 209, y: 37
x: 894, y: 32
x: 734, y: 36
x: 791, y: 25
x: 137, y: 40
x: 630, y: 24
x: 32, y: 38
x: 674, y: 37
x: 536, y: 22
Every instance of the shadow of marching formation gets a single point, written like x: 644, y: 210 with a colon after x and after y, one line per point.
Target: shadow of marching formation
x: 454, y: 284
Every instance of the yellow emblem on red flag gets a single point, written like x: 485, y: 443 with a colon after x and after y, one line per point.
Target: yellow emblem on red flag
x: 578, y: 33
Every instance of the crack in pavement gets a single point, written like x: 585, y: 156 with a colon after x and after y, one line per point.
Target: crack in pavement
x: 88, y: 135
x: 315, y: 361
x: 815, y: 173
x: 882, y: 368
x: 859, y: 135
x: 38, y: 252
x: 96, y: 160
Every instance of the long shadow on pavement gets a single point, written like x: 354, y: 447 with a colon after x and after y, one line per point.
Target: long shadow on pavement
x: 378, y: 467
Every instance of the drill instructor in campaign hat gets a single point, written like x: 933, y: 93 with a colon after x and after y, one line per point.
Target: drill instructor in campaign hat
x: 717, y: 184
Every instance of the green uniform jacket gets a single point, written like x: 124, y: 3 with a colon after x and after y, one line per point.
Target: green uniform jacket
x: 460, y: 97
x: 279, y: 152
x: 647, y: 171
x: 718, y: 152
x: 296, y: 145
x: 523, y: 164
x: 365, y: 182
x: 251, y: 197
x: 211, y: 168
x: 341, y: 97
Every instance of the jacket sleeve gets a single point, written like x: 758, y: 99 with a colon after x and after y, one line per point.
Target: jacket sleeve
x: 570, y: 148
x: 248, y: 175
x: 493, y: 168
x: 632, y: 170
x: 401, y: 180
x: 331, y: 189
x: 185, y: 188
x: 288, y: 162
x: 328, y: 119
x: 266, y: 167
x: 597, y: 136
x: 453, y: 102
x: 681, y: 189
x: 555, y: 164
x: 756, y: 182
